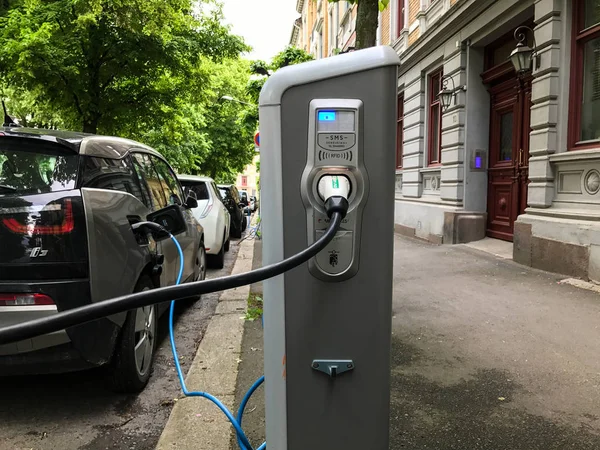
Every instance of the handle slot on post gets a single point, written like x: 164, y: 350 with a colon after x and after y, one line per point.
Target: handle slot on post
x: 333, y: 368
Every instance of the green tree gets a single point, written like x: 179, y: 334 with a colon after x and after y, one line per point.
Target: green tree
x: 367, y: 20
x: 204, y: 134
x: 29, y: 110
x: 228, y: 129
x: 261, y: 71
x: 109, y: 65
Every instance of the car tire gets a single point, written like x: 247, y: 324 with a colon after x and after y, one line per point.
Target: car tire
x: 202, y: 262
x: 236, y: 232
x: 227, y: 244
x: 218, y: 261
x: 132, y: 360
x: 244, y: 223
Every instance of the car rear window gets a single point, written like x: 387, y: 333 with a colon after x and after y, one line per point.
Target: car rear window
x: 198, y: 187
x: 32, y: 168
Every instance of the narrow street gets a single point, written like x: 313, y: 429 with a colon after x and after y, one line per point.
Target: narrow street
x: 488, y: 354
x: 77, y: 410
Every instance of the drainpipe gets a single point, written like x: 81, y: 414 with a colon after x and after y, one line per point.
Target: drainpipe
x: 379, y: 29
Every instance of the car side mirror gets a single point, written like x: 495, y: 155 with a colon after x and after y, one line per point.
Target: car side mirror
x: 171, y: 219
x: 191, y: 202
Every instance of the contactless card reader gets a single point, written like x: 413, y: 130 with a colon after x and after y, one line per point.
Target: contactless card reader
x: 335, y: 147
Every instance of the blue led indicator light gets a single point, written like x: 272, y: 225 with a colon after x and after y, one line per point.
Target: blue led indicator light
x: 326, y: 116
x: 478, y: 162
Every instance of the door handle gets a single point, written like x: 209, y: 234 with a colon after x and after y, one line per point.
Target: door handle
x: 521, y: 153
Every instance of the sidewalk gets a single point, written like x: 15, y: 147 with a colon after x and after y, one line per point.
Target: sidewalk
x: 486, y: 354
x: 196, y: 423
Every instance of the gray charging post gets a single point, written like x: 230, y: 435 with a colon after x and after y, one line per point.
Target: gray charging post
x: 328, y: 323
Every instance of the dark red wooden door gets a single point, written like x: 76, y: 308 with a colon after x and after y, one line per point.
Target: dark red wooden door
x: 509, y: 155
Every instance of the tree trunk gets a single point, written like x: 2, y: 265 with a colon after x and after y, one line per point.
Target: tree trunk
x: 367, y: 18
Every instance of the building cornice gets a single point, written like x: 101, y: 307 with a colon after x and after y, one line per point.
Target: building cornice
x: 296, y: 31
x: 463, y: 12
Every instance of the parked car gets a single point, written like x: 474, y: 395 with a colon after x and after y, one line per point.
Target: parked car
x: 67, y: 205
x: 212, y: 215
x: 245, y: 202
x: 244, y: 197
x: 253, y: 203
x: 231, y: 200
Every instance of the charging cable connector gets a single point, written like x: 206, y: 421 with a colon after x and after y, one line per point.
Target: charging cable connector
x: 335, y: 191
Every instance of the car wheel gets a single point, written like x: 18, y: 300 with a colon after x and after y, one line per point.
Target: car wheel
x: 132, y: 360
x: 227, y: 244
x: 244, y: 223
x: 218, y: 261
x: 236, y: 232
x: 201, y: 261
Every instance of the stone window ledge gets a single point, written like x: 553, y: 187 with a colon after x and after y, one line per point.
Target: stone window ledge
x: 430, y: 169
x: 579, y: 155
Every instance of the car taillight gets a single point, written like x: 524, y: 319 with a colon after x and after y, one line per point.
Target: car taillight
x: 25, y: 300
x: 207, y: 210
x: 53, y: 219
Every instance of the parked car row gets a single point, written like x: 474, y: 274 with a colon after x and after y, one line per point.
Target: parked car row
x: 231, y: 200
x: 248, y: 203
x: 69, y: 203
x: 212, y: 215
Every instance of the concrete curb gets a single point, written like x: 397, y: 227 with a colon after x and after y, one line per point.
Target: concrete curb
x: 196, y: 423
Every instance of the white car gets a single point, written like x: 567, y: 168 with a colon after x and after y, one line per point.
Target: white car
x: 212, y: 215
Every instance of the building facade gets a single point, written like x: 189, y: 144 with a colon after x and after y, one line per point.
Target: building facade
x: 505, y: 154
x: 249, y: 179
x: 514, y: 155
x: 326, y: 29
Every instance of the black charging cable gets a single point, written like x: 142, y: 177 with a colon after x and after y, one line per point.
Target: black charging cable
x: 336, y: 211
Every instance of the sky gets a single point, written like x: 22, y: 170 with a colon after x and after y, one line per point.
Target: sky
x: 265, y: 25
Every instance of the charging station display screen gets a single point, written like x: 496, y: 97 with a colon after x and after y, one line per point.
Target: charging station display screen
x: 330, y: 120
x: 327, y: 116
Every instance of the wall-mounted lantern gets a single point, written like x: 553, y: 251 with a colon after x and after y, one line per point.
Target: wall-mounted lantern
x: 523, y: 55
x: 447, y: 95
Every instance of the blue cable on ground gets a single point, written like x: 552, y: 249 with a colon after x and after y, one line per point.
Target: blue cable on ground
x: 242, y: 439
x: 240, y: 414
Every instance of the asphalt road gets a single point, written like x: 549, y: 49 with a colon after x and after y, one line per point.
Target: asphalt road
x: 78, y: 411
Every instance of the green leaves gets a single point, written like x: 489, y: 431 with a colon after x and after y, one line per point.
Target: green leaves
x: 383, y: 4
x: 101, y: 62
x: 150, y: 70
x: 261, y: 70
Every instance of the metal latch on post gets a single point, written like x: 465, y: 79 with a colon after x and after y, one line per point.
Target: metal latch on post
x: 333, y: 368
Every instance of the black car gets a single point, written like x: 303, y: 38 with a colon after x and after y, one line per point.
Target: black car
x: 231, y: 200
x: 68, y: 205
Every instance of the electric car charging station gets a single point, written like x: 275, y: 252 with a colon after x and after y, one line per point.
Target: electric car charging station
x: 327, y: 324
x: 327, y: 200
